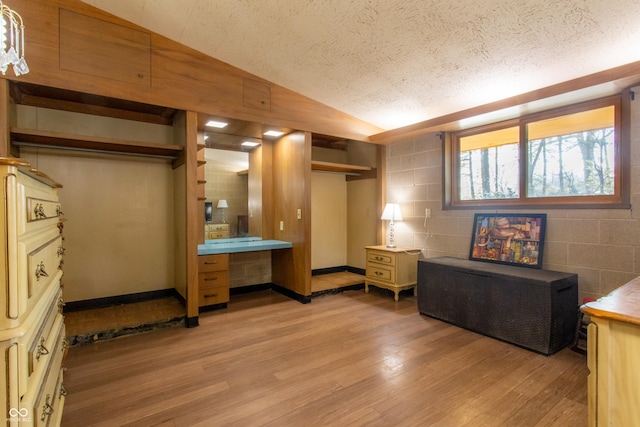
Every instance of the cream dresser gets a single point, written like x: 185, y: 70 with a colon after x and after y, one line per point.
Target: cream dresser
x: 391, y: 268
x: 613, y: 349
x: 216, y: 231
x: 32, y: 331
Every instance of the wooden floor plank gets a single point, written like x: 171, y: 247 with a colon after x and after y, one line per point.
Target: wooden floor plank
x: 349, y: 359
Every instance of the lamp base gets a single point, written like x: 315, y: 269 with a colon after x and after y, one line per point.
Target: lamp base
x: 391, y: 246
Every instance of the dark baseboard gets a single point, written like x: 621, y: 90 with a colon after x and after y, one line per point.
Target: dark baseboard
x: 119, y: 299
x: 191, y: 322
x: 289, y: 293
x: 212, y: 307
x: 249, y: 289
x: 339, y: 269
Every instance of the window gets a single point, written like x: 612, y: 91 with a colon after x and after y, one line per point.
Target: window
x: 569, y: 157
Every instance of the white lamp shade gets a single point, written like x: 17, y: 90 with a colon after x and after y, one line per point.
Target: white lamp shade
x: 392, y: 212
x: 222, y: 204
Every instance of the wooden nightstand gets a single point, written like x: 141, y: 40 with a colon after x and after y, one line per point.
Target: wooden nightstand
x: 395, y: 269
x: 216, y: 231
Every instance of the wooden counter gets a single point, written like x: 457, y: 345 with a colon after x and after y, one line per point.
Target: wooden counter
x: 613, y: 346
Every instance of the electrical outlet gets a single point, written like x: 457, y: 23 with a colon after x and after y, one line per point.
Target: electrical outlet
x: 299, y: 213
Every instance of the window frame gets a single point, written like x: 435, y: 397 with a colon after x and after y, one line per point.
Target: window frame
x: 619, y: 200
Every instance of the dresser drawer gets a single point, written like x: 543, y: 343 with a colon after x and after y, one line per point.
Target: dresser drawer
x: 207, y: 263
x: 43, y: 262
x: 45, y: 403
x: 38, y: 205
x: 381, y: 257
x: 381, y: 272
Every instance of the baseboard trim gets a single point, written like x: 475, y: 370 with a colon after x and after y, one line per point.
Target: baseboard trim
x: 119, y: 299
x: 291, y: 294
x: 249, y: 289
x: 339, y: 269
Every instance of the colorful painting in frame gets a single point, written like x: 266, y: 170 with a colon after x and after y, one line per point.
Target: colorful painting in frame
x: 513, y: 239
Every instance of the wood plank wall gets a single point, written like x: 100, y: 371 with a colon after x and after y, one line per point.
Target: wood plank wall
x: 172, y: 75
x: 291, y: 176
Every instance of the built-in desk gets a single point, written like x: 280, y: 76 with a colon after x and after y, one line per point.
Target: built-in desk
x: 240, y: 244
x: 213, y: 266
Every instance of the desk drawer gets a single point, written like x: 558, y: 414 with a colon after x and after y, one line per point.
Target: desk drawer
x: 381, y: 257
x: 208, y: 263
x: 213, y: 288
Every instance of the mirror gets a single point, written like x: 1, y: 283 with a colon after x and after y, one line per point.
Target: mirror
x: 226, y: 173
x: 228, y: 139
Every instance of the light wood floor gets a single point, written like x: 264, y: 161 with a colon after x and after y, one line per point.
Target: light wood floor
x: 349, y: 359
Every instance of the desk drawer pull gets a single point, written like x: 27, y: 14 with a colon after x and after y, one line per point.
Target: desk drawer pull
x: 211, y: 262
x: 209, y: 279
x: 210, y: 295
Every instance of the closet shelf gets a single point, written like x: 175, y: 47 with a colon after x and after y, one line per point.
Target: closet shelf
x: 337, y: 167
x: 26, y: 137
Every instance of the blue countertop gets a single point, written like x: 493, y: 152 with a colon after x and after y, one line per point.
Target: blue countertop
x: 240, y: 244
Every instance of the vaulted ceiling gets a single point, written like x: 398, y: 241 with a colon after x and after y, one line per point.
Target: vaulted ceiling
x: 397, y: 62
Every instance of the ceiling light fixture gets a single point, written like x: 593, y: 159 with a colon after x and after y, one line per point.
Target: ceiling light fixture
x: 12, y: 41
x: 273, y: 133
x: 250, y: 144
x: 216, y: 124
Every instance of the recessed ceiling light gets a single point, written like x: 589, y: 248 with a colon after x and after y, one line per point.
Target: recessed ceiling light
x: 250, y: 144
x: 215, y: 124
x: 273, y: 133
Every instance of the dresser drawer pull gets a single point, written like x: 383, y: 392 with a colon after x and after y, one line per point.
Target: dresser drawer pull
x: 378, y: 273
x: 379, y: 258
x: 210, y: 295
x: 60, y: 227
x: 41, y: 349
x: 59, y: 211
x: 65, y: 345
x: 63, y: 392
x: 209, y: 279
x: 61, y: 250
x: 40, y: 271
x: 38, y: 211
x: 210, y: 262
x: 47, y: 409
x: 61, y: 304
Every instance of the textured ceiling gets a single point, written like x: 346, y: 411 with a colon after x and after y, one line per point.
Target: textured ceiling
x: 398, y: 62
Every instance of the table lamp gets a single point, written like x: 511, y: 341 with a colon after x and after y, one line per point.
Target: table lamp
x: 391, y: 213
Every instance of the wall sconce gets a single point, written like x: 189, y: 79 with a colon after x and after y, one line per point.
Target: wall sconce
x: 391, y: 213
x: 222, y: 204
x: 12, y: 41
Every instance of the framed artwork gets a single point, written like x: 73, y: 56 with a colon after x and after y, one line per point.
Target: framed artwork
x: 514, y: 239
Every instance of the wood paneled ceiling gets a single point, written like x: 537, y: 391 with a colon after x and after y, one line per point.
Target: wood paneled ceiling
x: 398, y: 62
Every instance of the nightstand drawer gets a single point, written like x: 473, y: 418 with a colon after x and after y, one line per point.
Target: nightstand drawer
x: 380, y: 272
x: 381, y: 257
x: 207, y: 263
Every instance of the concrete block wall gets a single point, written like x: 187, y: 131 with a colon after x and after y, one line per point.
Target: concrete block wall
x: 601, y: 245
